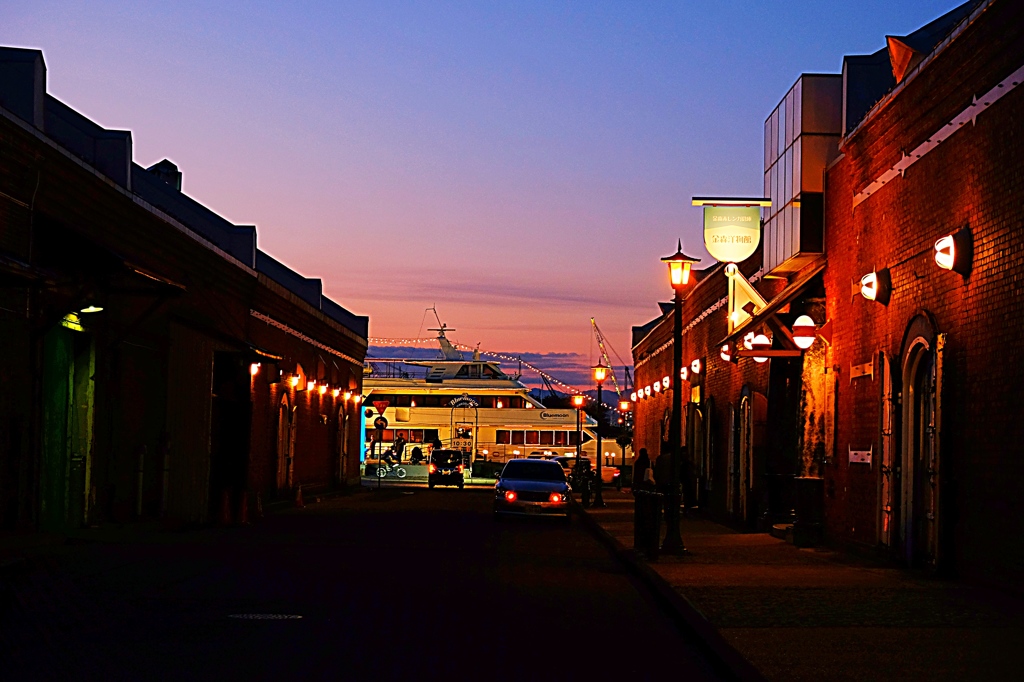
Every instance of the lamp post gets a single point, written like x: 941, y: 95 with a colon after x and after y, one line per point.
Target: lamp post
x: 577, y: 402
x: 679, y: 274
x: 624, y: 406
x: 600, y: 373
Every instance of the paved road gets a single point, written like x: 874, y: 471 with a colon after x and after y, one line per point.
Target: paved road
x: 395, y: 584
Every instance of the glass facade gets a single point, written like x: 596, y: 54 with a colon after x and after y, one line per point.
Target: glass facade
x: 801, y: 138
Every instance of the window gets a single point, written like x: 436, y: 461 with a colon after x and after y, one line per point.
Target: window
x: 547, y: 437
x: 573, y: 437
x: 501, y: 437
x: 561, y: 437
x: 517, y: 438
x: 533, y: 438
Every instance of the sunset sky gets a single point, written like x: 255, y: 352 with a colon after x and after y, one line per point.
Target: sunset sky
x: 520, y: 165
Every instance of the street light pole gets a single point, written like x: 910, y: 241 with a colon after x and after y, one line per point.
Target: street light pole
x: 600, y: 372
x: 679, y: 270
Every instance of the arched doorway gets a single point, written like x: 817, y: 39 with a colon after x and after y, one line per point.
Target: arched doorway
x: 746, y: 459
x: 919, y: 485
x: 753, y: 418
x: 732, y: 492
x: 285, y: 444
x: 342, y: 440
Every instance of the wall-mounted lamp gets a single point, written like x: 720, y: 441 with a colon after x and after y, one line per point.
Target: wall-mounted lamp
x: 293, y: 380
x: 310, y: 385
x: 761, y: 342
x: 684, y: 373
x: 804, y: 332
x: 322, y: 389
x: 647, y: 391
x: 877, y: 286
x: 335, y: 393
x: 955, y: 251
x: 695, y: 366
x: 726, y: 353
x: 657, y: 387
x: 357, y: 399
x: 748, y: 340
x: 254, y: 369
x: 92, y: 308
x: 632, y: 396
x: 665, y: 383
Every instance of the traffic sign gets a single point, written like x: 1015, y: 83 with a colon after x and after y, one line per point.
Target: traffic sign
x: 381, y: 405
x: 380, y: 423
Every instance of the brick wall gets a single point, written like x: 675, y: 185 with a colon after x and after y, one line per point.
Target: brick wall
x: 975, y: 178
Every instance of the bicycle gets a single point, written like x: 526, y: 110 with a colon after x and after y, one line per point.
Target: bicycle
x: 383, y: 469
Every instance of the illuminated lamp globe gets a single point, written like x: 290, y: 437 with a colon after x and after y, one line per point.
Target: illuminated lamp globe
x: 804, y: 331
x: 761, y: 342
x: 725, y: 354
x: 577, y: 401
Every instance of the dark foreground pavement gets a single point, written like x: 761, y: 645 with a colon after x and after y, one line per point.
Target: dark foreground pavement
x: 397, y: 584
x: 816, y: 614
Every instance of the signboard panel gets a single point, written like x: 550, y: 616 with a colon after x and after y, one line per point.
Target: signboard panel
x: 732, y: 233
x: 860, y: 456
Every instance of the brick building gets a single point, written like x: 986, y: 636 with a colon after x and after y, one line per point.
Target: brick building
x: 938, y: 152
x: 897, y: 431
x: 157, y: 363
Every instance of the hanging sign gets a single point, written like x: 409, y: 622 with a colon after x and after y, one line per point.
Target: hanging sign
x: 732, y: 233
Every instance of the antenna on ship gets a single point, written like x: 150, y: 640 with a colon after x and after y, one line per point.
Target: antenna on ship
x: 448, y: 351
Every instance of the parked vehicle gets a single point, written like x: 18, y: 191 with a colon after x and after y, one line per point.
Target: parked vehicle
x: 384, y: 468
x: 446, y: 468
x: 609, y: 474
x: 531, y: 486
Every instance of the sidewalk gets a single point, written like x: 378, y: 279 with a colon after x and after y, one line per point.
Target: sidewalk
x: 816, y: 614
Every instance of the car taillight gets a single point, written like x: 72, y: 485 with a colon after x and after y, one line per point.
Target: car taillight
x: 432, y: 468
x: 510, y: 496
x: 555, y: 497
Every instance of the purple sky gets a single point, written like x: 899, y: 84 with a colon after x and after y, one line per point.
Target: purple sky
x: 520, y: 165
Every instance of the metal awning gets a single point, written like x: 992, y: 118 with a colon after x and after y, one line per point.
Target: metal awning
x: 766, y: 315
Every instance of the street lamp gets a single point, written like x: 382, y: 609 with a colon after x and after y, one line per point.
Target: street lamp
x: 600, y: 373
x: 624, y: 407
x: 679, y: 275
x: 577, y: 402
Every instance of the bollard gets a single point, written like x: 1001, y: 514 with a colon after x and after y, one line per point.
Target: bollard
x: 647, y: 523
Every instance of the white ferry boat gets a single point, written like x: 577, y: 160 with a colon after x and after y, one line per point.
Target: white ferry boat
x: 468, y: 405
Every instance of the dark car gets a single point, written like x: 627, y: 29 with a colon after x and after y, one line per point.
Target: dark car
x: 531, y: 486
x: 445, y: 468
